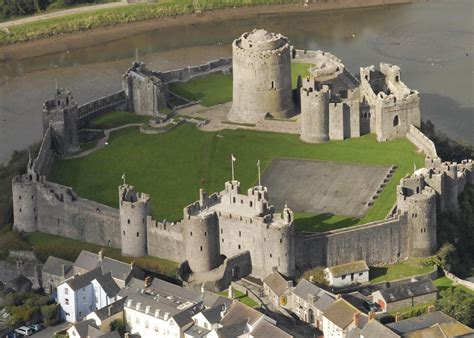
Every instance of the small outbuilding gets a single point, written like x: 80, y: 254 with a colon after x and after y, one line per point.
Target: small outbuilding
x: 405, y: 295
x: 277, y: 289
x: 347, y: 274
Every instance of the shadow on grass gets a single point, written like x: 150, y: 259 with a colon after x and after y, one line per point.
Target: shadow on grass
x: 323, y: 222
x: 376, y: 272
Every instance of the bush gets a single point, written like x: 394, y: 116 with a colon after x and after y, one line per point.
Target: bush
x: 458, y: 304
x: 118, y: 325
x: 50, y: 314
x: 316, y: 275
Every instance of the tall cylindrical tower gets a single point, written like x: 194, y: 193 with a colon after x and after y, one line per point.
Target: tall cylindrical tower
x: 422, y: 223
x: 24, y: 202
x: 201, y: 237
x: 314, y: 113
x: 261, y: 77
x: 134, y: 209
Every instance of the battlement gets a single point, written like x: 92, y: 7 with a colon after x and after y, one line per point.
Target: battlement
x: 261, y: 43
x: 62, y: 98
x: 128, y: 195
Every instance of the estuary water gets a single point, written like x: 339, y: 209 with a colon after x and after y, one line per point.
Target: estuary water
x: 433, y: 42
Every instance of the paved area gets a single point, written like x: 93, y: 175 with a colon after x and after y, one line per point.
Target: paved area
x: 61, y: 13
x: 49, y: 331
x: 322, y: 187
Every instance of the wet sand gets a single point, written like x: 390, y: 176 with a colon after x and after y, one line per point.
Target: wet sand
x: 103, y: 35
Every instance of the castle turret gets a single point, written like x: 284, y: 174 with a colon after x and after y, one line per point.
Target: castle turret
x: 261, y: 70
x: 314, y: 112
x: 134, y: 209
x: 202, y: 242
x: 449, y: 196
x: 24, y: 200
x: 61, y: 113
x: 418, y: 201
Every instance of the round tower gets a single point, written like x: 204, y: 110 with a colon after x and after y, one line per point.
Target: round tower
x: 449, y: 192
x: 201, y: 237
x: 421, y: 213
x: 134, y: 209
x: 24, y: 202
x: 261, y: 77
x: 314, y: 112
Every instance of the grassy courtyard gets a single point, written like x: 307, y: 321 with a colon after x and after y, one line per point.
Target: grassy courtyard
x: 411, y: 267
x: 216, y: 88
x: 241, y: 297
x: 171, y: 166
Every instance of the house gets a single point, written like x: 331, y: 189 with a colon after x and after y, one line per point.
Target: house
x: 82, y: 294
x: 88, y: 329
x: 156, y: 308
x: 340, y: 318
x: 405, y: 295
x: 375, y: 329
x: 309, y: 302
x: 277, y: 289
x: 434, y: 324
x: 244, y: 322
x: 57, y: 270
x: 205, y: 321
x: 107, y: 314
x: 347, y: 274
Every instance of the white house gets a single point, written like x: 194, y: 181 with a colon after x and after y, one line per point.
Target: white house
x: 347, y: 274
x: 159, y: 309
x: 83, y: 294
x: 340, y: 318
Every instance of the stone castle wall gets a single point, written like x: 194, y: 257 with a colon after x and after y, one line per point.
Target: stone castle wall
x: 102, y: 105
x: 422, y: 142
x: 377, y: 243
x: 165, y: 240
x: 187, y: 73
x: 43, y: 162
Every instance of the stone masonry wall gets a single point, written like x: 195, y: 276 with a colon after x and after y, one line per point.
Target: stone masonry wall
x: 102, y: 105
x: 378, y: 243
x: 61, y: 212
x: 184, y: 74
x: 165, y: 240
x: 44, y: 160
x: 422, y: 142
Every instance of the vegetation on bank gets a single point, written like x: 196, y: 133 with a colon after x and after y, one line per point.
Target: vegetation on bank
x: 118, y: 15
x: 410, y: 267
x: 171, y: 167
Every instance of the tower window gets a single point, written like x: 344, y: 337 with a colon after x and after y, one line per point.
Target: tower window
x: 190, y: 233
x: 233, y: 199
x: 138, y: 234
x: 240, y: 233
x: 271, y: 255
x: 19, y: 197
x: 124, y: 232
x: 238, y: 246
x: 20, y: 209
x: 395, y: 121
x: 205, y: 233
x: 201, y: 248
x: 281, y: 240
x: 222, y: 230
x: 143, y: 221
x: 251, y: 204
x: 397, y: 78
x: 273, y: 84
x: 128, y: 221
x: 223, y: 240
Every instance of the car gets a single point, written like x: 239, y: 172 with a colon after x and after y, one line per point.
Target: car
x: 24, y: 330
x: 371, y: 306
x: 36, y: 327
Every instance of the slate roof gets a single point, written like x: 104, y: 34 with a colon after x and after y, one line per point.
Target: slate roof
x: 239, y: 313
x: 408, y: 290
x: 53, y: 266
x: 265, y: 329
x: 276, y: 283
x: 305, y: 288
x: 80, y: 281
x: 87, y: 260
x: 87, y: 328
x: 211, y: 299
x: 233, y: 330
x: 341, y: 313
x: 375, y: 329
x: 213, y: 314
x: 348, y: 268
x: 108, y: 285
x: 196, y: 331
x: 115, y: 308
x: 324, y: 302
x: 421, y: 322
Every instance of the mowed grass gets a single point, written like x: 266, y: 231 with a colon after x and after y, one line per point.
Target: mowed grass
x: 241, y: 297
x: 171, y: 166
x: 444, y: 283
x: 115, y: 119
x: 216, y: 88
x: 413, y: 266
x: 45, y: 245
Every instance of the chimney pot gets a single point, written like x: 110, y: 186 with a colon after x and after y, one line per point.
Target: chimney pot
x: 398, y: 317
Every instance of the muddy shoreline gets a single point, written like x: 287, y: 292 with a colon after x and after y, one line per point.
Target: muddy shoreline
x: 95, y: 37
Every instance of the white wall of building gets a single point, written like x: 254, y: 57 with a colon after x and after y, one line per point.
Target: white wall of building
x: 75, y: 304
x: 147, y: 325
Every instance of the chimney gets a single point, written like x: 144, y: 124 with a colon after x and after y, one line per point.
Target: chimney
x: 230, y: 292
x: 431, y: 309
x: 132, y: 265
x: 356, y: 318
x: 148, y: 280
x: 63, y: 269
x: 109, y: 310
x: 371, y: 315
x: 398, y: 317
x: 101, y: 254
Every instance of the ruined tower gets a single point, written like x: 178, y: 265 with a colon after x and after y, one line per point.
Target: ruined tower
x: 61, y: 115
x: 314, y: 112
x: 418, y: 201
x: 24, y: 200
x: 134, y: 209
x: 261, y: 77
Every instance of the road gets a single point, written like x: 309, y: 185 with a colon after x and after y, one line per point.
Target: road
x: 57, y: 14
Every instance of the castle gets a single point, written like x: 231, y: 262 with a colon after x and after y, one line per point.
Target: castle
x: 231, y: 234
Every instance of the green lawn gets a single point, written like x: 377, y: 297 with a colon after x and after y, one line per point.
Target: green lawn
x: 444, y: 283
x: 216, y: 88
x: 241, y: 297
x: 411, y: 267
x: 170, y: 166
x: 45, y: 245
x: 116, y: 119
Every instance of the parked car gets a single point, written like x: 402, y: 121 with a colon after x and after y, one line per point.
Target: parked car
x: 36, y: 327
x: 371, y: 306
x: 24, y: 330
x: 12, y: 334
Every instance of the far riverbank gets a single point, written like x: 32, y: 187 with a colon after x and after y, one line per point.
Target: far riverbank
x: 98, y: 36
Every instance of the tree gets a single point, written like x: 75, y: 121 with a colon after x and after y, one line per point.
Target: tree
x: 50, y: 314
x: 458, y: 304
x: 118, y: 325
x: 448, y: 258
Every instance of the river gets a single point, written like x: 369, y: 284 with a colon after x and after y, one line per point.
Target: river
x: 433, y: 42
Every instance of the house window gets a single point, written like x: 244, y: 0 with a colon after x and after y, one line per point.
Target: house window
x: 146, y: 324
x: 343, y: 277
x: 66, y: 301
x: 66, y: 291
